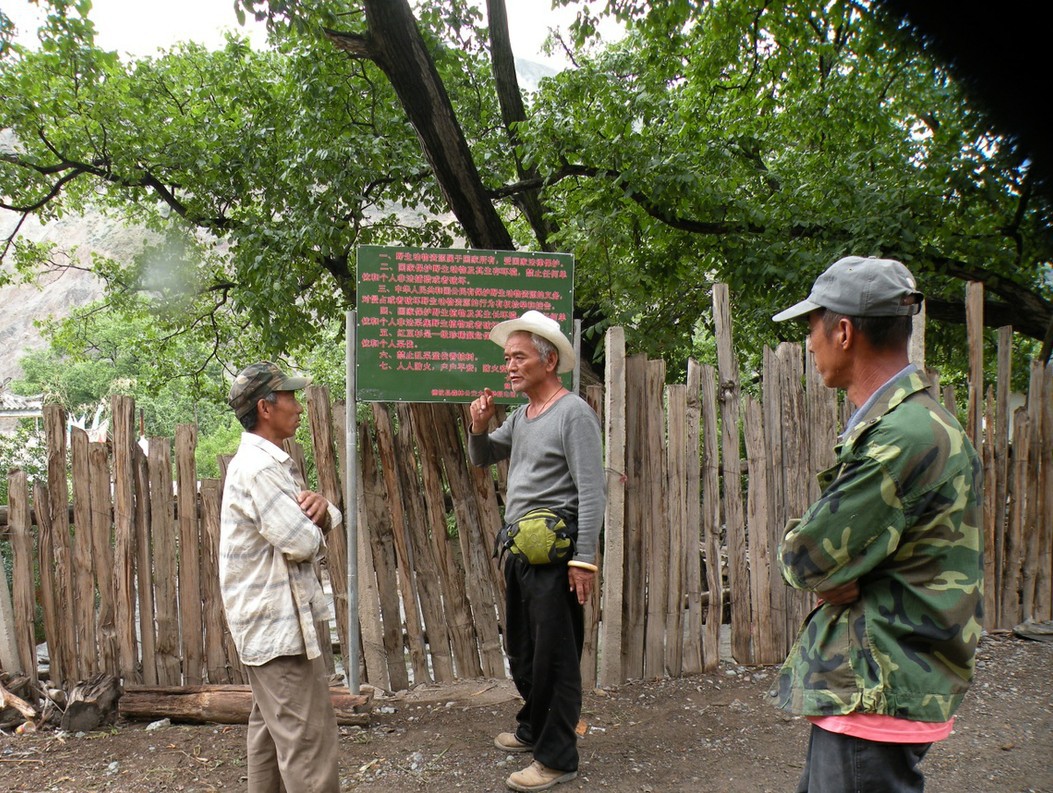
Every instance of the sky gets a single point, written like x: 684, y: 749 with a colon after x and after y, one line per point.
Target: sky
x: 140, y: 27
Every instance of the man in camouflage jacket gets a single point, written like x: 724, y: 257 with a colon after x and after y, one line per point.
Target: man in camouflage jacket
x: 893, y: 548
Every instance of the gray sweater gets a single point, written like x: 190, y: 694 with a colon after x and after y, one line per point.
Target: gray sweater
x: 555, y: 461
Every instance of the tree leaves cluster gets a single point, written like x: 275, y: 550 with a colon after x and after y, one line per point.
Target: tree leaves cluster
x: 740, y: 141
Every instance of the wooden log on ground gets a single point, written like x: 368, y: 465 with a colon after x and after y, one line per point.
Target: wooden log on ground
x: 224, y: 704
x: 10, y: 700
x: 91, y: 703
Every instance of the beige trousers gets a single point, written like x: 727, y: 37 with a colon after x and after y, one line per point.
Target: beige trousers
x: 292, y: 736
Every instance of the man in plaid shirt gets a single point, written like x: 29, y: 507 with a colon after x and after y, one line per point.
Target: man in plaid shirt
x: 271, y: 531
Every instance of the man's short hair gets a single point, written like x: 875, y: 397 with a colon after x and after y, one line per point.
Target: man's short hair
x: 882, y: 333
x: 252, y: 418
x: 544, y: 347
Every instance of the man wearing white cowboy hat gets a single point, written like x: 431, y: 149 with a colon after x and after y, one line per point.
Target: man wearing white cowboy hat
x: 554, y: 448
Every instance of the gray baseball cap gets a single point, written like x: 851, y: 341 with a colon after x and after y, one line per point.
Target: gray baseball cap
x: 861, y: 287
x: 256, y: 381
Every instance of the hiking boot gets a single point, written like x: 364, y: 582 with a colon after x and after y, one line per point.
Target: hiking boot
x: 510, y: 743
x: 538, y: 777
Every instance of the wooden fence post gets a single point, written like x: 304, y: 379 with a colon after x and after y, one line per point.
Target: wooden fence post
x: 64, y: 653
x: 102, y: 553
x: 655, y: 523
x: 612, y: 581
x: 731, y: 466
x: 163, y: 535
x: 22, y: 571
x: 407, y: 581
x: 681, y: 544
x: 86, y: 662
x: 710, y: 472
x: 123, y: 411
x: 320, y: 419
x: 190, y: 543
x: 692, y: 656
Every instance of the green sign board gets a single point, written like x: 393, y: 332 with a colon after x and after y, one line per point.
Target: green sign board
x: 425, y: 314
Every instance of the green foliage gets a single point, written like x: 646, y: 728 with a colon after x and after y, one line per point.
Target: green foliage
x: 737, y: 141
x: 23, y: 450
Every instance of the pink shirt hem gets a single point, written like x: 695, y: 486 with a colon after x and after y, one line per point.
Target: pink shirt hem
x: 886, y: 729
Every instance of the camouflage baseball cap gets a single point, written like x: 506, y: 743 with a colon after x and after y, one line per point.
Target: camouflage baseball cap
x: 861, y: 287
x: 256, y: 381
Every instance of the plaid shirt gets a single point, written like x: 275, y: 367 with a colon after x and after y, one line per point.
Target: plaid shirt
x: 271, y: 593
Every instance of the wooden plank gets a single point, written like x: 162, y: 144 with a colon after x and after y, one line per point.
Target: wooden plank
x: 731, y: 466
x: 474, y: 541
x: 799, y: 489
x: 368, y: 619
x: 974, y: 321
x: 1031, y: 540
x: 1000, y: 467
x: 635, y: 514
x: 387, y: 454
x: 427, y: 420
x: 767, y: 647
x: 163, y: 534
x: 102, y: 553
x: 692, y: 653
x: 991, y: 582
x: 123, y: 435
x: 329, y: 485
x: 22, y: 562
x: 295, y: 450
x: 8, y: 630
x: 64, y: 649
x: 655, y: 522
x: 392, y: 673
x: 949, y: 400
x: 711, y: 527
x: 144, y: 566
x: 612, y: 594
x: 590, y: 645
x: 1043, y: 599
x: 681, y: 544
x: 86, y: 662
x: 222, y: 661
x: 424, y: 563
x: 1013, y: 547
x: 189, y: 558
x: 778, y: 513
x: 50, y: 603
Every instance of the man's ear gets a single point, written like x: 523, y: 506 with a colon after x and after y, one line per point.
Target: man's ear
x: 846, y: 333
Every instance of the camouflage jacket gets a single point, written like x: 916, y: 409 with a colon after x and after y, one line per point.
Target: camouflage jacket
x: 900, y: 514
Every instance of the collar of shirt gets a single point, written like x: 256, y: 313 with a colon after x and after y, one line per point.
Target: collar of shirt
x: 862, y: 409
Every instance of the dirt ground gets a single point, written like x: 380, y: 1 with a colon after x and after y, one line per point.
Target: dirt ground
x: 711, y: 733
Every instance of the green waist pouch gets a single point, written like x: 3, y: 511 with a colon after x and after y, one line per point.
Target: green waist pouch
x: 542, y: 536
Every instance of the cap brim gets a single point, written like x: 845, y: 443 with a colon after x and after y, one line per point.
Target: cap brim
x: 802, y: 309
x: 294, y: 384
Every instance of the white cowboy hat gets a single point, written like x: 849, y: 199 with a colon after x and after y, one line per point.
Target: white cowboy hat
x: 545, y: 327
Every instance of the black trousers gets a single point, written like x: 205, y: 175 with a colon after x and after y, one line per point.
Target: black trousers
x: 844, y: 764
x: 543, y: 639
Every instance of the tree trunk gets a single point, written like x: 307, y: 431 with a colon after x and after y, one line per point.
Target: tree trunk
x: 394, y: 43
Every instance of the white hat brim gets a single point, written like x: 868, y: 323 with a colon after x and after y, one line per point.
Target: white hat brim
x: 502, y: 330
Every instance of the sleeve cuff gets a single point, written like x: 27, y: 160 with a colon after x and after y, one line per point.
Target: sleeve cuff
x: 583, y: 565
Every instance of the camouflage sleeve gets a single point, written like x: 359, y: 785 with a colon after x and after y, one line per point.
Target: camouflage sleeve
x: 851, y: 529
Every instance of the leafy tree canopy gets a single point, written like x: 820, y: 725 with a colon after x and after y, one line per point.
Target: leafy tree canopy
x: 747, y: 142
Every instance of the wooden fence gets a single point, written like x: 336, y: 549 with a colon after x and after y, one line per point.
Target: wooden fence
x: 701, y: 480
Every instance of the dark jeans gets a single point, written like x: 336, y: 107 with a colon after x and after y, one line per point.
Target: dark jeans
x: 843, y: 764
x: 543, y: 640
